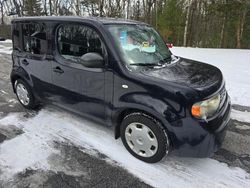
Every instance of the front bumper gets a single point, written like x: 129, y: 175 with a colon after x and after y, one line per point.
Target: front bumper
x: 197, y: 138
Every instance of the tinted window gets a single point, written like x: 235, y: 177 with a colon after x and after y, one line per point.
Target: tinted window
x: 16, y: 36
x: 34, y: 38
x: 76, y: 40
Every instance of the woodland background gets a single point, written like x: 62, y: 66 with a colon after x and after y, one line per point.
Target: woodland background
x: 194, y: 23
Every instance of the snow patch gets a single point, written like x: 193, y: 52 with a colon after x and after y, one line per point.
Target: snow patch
x: 29, y: 149
x: 13, y: 101
x: 240, y: 116
x: 6, y: 41
x: 4, y: 92
x: 33, y: 147
x: 243, y: 127
x: 6, y: 50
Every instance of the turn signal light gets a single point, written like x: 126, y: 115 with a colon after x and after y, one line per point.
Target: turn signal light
x: 196, y: 110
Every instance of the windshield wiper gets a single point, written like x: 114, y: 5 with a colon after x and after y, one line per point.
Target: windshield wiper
x: 168, y: 60
x: 165, y: 61
x: 144, y: 64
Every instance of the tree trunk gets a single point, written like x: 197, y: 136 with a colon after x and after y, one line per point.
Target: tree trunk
x: 156, y: 20
x: 244, y: 12
x: 101, y: 5
x: 149, y: 9
x: 238, y: 38
x: 187, y: 23
x: 77, y: 7
x: 45, y: 8
x: 17, y: 7
x: 240, y: 27
x: 137, y: 12
x: 222, y: 33
x: 92, y: 10
x: 128, y: 9
x: 144, y: 4
x: 50, y: 7
x: 2, y: 13
x: 191, y: 21
x: 55, y: 11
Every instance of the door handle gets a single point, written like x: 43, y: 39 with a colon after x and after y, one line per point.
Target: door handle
x: 25, y: 62
x: 58, y: 70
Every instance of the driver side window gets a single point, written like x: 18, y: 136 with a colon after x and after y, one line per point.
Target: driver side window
x: 76, y: 40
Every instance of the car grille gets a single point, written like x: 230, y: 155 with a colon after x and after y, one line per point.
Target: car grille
x: 223, y: 96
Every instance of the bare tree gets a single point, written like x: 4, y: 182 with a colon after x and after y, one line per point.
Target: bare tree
x: 78, y: 7
x: 241, y: 21
x: 188, y: 7
x: 17, y: 8
x: 45, y: 8
x: 128, y: 9
x: 2, y: 12
x: 101, y: 6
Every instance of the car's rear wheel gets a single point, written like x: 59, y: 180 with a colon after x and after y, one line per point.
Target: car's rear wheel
x: 144, y: 137
x: 24, y: 94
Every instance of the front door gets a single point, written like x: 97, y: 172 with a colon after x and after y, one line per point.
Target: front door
x: 78, y: 87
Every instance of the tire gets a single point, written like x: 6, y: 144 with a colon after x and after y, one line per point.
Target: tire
x: 30, y: 102
x: 144, y: 137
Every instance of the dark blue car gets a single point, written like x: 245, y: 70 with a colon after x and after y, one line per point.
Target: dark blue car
x: 120, y: 73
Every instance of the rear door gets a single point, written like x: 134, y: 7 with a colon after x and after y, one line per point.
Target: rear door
x: 32, y: 57
x: 78, y: 87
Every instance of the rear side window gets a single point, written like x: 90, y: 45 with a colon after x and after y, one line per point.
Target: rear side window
x: 76, y: 40
x: 16, y: 36
x: 34, y: 38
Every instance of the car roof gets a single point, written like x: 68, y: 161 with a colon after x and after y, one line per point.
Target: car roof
x: 102, y: 20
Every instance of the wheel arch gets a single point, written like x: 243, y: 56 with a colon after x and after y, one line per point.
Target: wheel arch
x: 19, y: 73
x: 13, y: 80
x: 121, y: 114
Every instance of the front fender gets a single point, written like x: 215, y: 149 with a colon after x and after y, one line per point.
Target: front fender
x: 164, y: 110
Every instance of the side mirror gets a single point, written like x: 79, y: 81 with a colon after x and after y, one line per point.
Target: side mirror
x: 92, y: 60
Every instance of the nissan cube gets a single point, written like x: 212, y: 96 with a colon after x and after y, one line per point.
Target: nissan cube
x: 120, y: 73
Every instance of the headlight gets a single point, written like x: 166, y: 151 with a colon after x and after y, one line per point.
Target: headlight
x: 206, y: 108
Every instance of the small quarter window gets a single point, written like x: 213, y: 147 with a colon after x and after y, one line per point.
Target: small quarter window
x: 16, y: 36
x: 76, y: 40
x: 34, y: 38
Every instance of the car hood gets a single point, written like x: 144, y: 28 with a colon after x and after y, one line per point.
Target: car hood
x: 204, y: 78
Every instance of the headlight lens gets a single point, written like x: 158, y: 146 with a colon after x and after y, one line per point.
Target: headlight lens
x: 206, y: 108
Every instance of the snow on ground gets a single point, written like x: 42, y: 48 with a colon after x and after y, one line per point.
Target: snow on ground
x: 26, y: 150
x: 6, y: 41
x: 32, y: 148
x: 5, y: 49
x: 234, y: 65
x: 240, y: 116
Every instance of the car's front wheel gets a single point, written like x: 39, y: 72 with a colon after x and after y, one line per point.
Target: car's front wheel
x: 144, y: 137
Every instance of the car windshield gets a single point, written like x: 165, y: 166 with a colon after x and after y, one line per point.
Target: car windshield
x: 140, y: 45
